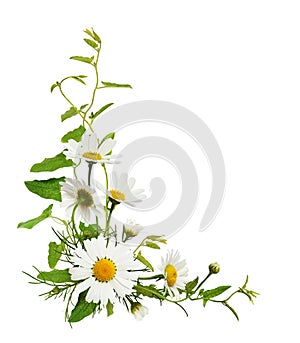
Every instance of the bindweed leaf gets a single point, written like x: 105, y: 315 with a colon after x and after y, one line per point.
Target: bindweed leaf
x: 75, y: 134
x: 191, y: 285
x: 148, y: 291
x: 54, y: 253
x: 91, y: 43
x: 152, y: 245
x: 109, y: 308
x: 145, y: 262
x: 51, y: 164
x: 57, y: 276
x: 214, y: 292
x: 53, y: 87
x: 82, y: 308
x: 69, y: 114
x: 93, y: 34
x: 48, y: 189
x: 114, y: 85
x: 29, y: 224
x: 88, y: 60
x: 102, y: 109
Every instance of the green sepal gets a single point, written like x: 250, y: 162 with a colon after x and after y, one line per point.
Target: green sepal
x: 82, y: 308
x: 109, y: 308
x: 75, y: 134
x: 145, y: 262
x: 29, y: 224
x: 114, y: 85
x: 56, y: 276
x: 52, y: 163
x: 69, y: 114
x: 54, y: 253
x: 88, y: 60
x: 48, y: 189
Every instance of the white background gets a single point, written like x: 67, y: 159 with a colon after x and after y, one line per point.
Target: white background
x: 236, y: 64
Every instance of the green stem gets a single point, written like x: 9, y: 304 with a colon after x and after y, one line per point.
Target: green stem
x: 158, y: 277
x: 90, y: 172
x: 202, y: 282
x: 96, y: 84
x: 74, y: 229
x: 112, y: 207
x: 106, y: 186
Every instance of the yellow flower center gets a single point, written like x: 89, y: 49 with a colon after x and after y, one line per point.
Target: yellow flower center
x: 92, y: 155
x: 117, y: 195
x: 104, y: 270
x: 171, y: 275
x: 84, y: 198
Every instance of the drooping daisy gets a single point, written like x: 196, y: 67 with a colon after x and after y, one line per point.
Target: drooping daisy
x: 104, y: 269
x: 131, y: 229
x: 174, y: 271
x: 138, y: 310
x: 89, y: 150
x: 78, y: 193
x: 122, y: 190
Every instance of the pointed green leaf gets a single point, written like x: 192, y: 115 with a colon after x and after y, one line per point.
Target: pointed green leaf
x: 53, y: 87
x: 109, y: 308
x: 145, y: 262
x: 82, y: 309
x: 96, y: 36
x: 29, y: 224
x: 83, y: 107
x: 152, y: 245
x: 51, y: 164
x: 68, y: 114
x: 77, y: 79
x: 148, y: 291
x: 54, y: 253
x: 211, y: 293
x: 57, y: 276
x: 90, y: 231
x: 102, y: 109
x: 191, y: 285
x: 75, y: 134
x: 159, y: 239
x: 91, y: 43
x: 88, y: 60
x: 110, y: 135
x: 115, y: 85
x: 48, y: 189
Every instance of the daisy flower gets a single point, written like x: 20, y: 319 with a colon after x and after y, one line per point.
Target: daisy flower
x: 122, y: 190
x: 131, y: 229
x: 104, y: 270
x: 138, y: 310
x: 78, y: 193
x: 174, y: 271
x: 89, y: 150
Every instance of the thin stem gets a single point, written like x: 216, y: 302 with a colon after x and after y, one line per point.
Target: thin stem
x: 112, y: 207
x: 158, y: 277
x: 106, y: 186
x: 90, y: 172
x: 75, y: 232
x: 96, y: 84
x: 202, y: 282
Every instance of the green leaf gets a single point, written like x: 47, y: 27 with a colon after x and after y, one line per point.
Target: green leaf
x: 88, y: 60
x: 75, y: 134
x: 48, y: 189
x: 152, y: 245
x: 57, y: 276
x: 82, y: 107
x: 109, y: 135
x: 54, y: 253
x: 53, y: 87
x: 29, y: 224
x: 82, y: 309
x: 157, y: 239
x: 90, y: 231
x: 115, y: 85
x: 109, y: 308
x: 214, y: 292
x: 102, y: 109
x: 51, y: 164
x: 77, y: 78
x: 191, y: 285
x: 231, y: 309
x: 68, y: 114
x: 148, y: 291
x: 145, y: 262
x: 91, y: 43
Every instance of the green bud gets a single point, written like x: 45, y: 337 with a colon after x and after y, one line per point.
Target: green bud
x: 214, y: 268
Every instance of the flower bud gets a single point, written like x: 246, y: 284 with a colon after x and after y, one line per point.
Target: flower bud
x: 214, y: 268
x: 138, y: 310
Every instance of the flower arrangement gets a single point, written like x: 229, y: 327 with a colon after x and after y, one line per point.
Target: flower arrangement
x: 91, y: 264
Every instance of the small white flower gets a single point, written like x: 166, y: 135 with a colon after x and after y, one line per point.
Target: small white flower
x: 104, y: 270
x: 89, y: 150
x: 138, y: 310
x: 78, y: 193
x: 122, y: 190
x: 131, y: 229
x: 175, y: 272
